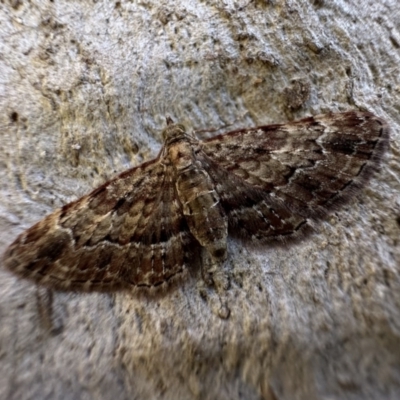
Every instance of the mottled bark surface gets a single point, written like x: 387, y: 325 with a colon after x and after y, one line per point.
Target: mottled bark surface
x: 84, y: 91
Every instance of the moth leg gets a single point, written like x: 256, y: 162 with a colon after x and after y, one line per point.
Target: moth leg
x: 212, y: 260
x: 213, y: 299
x: 48, y: 318
x: 208, y: 267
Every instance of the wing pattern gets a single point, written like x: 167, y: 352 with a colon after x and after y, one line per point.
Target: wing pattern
x: 128, y: 232
x: 274, y: 180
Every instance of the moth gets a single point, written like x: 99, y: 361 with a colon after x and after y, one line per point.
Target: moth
x: 147, y: 226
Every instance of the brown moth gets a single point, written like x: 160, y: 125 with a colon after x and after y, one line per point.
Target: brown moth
x: 263, y: 184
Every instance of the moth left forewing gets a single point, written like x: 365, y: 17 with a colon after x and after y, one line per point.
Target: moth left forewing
x: 60, y: 250
x: 127, y: 233
x: 166, y: 241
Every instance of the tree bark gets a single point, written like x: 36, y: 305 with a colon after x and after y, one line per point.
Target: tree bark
x: 85, y: 89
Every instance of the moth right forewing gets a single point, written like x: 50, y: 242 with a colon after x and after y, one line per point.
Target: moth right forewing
x: 253, y: 213
x: 311, y: 165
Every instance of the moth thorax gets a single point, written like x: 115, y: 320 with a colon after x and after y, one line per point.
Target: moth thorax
x: 173, y: 132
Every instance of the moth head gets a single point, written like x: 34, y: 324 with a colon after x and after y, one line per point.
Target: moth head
x: 173, y: 131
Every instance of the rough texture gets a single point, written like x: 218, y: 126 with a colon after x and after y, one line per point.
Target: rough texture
x: 84, y: 91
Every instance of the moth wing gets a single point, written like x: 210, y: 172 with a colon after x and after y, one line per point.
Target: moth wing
x: 273, y: 179
x: 129, y: 232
